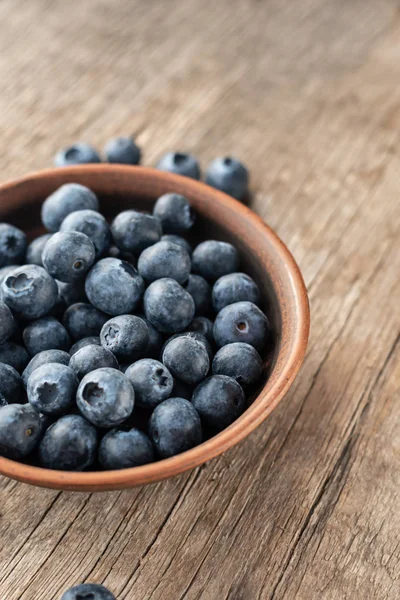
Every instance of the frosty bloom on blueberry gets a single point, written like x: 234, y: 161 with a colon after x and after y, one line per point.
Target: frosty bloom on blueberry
x: 134, y: 343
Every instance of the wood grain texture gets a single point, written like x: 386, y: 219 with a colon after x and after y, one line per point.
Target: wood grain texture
x: 306, y: 93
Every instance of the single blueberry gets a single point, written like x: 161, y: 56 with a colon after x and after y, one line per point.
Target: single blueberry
x: 10, y: 385
x: 13, y: 245
x: 44, y: 358
x: 168, y: 306
x: 88, y: 591
x: 151, y: 381
x: 234, y: 287
x: 228, y: 175
x: 242, y: 322
x: 92, y: 224
x: 87, y: 341
x: 134, y: 231
x: 68, y: 256
x: 125, y: 449
x: 90, y: 358
x: 77, y: 154
x: 181, y: 163
x: 29, y: 291
x: 212, y: 259
x: 219, y: 400
x: 7, y: 323
x: 174, y: 212
x: 114, y: 286
x: 83, y: 320
x: 35, y: 249
x: 126, y: 336
x: 175, y: 427
x: 51, y: 389
x: 70, y: 444
x: 194, y: 335
x: 200, y: 290
x: 180, y: 241
x: 45, y: 334
x: 14, y: 355
x: 164, y: 259
x: 187, y: 359
x: 239, y: 361
x: 20, y: 430
x: 65, y: 200
x: 105, y: 397
x: 122, y: 150
x: 204, y: 326
x: 72, y: 292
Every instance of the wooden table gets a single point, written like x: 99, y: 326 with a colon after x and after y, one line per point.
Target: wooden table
x: 307, y: 94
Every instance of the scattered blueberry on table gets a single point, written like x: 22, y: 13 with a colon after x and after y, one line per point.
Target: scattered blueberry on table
x: 88, y: 591
x: 124, y: 342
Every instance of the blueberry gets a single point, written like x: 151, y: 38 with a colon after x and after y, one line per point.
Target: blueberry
x: 45, y: 334
x: 134, y: 231
x: 51, y: 389
x: 174, y: 212
x: 44, y: 358
x: 114, y: 286
x: 68, y: 256
x: 29, y: 291
x: 13, y: 245
x: 125, y: 449
x: 83, y: 320
x: 196, y: 336
x: 180, y: 241
x: 87, y: 341
x: 168, y: 306
x: 204, y: 326
x: 122, y: 150
x: 212, y: 259
x: 7, y: 323
x: 93, y: 357
x: 70, y: 444
x: 235, y: 287
x: 14, y: 355
x: 164, y: 259
x: 10, y: 385
x: 239, y: 361
x: 155, y: 342
x: 72, y: 292
x: 65, y: 200
x: 200, y: 291
x: 105, y: 397
x: 92, y: 224
x: 88, y: 591
x: 20, y: 430
x: 126, y: 336
x: 181, y: 163
x: 241, y: 322
x: 228, y: 175
x: 175, y: 427
x: 35, y: 249
x: 187, y: 359
x: 151, y: 381
x: 219, y: 400
x: 77, y: 154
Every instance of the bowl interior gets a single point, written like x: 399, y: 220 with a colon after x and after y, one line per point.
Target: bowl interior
x: 263, y: 256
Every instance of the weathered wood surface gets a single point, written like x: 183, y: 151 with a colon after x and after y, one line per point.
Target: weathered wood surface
x: 307, y: 94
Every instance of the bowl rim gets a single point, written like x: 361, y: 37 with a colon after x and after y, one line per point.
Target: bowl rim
x: 264, y: 403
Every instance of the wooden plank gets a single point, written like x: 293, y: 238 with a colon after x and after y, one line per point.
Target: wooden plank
x: 307, y: 507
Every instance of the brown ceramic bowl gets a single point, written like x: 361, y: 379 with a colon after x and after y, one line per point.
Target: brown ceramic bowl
x: 263, y: 256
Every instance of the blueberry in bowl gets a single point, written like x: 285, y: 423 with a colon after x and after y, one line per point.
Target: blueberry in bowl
x: 174, y: 347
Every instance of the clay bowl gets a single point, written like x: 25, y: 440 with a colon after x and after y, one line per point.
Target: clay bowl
x: 263, y: 256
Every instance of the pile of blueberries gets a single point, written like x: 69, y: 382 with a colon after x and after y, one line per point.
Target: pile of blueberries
x: 225, y: 173
x: 120, y: 344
